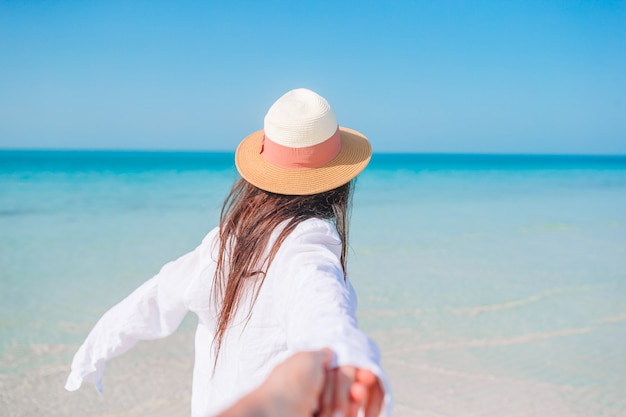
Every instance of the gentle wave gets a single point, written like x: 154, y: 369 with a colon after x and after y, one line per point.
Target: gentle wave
x: 472, y: 311
x: 613, y: 319
x: 495, y: 342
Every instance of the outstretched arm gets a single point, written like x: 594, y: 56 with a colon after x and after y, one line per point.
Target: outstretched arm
x: 152, y: 311
x: 319, y: 310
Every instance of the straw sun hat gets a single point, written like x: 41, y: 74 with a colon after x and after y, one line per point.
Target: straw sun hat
x: 302, y: 150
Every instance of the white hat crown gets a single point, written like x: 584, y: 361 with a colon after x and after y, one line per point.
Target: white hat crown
x: 300, y: 118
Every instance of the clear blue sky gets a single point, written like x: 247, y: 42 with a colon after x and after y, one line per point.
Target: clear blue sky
x: 418, y: 76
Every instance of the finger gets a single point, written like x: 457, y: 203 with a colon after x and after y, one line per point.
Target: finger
x: 314, y: 381
x: 366, y: 377
x: 374, y: 400
x: 326, y: 356
x: 319, y: 361
x: 358, y: 398
x: 326, y: 398
x: 345, y: 378
x: 358, y: 393
x: 353, y: 409
x: 371, y: 393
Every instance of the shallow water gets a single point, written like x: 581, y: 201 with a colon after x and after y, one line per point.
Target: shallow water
x: 494, y: 285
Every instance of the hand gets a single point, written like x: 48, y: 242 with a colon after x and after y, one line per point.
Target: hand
x: 348, y: 389
x: 294, y: 386
x: 367, y: 392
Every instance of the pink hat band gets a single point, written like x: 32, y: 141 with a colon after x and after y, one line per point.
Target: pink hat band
x: 300, y: 132
x: 307, y: 157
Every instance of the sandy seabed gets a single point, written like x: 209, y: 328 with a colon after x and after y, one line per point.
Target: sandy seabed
x: 155, y: 379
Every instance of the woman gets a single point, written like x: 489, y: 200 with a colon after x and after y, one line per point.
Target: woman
x: 271, y: 279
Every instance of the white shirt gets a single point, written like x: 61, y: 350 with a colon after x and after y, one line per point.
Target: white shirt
x: 304, y: 304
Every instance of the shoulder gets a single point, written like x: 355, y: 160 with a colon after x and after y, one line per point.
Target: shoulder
x: 210, y: 245
x: 317, y: 230
x: 210, y: 237
x: 312, y: 236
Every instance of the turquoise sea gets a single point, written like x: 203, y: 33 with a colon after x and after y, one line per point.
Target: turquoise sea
x: 495, y: 285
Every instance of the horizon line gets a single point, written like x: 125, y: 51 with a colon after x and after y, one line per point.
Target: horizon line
x: 390, y: 152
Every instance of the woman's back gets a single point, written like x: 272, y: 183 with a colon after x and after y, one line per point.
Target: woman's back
x: 304, y: 303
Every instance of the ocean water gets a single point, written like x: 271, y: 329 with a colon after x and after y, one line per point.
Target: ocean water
x: 493, y: 284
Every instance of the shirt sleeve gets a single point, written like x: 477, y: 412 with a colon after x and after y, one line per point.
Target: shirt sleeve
x: 320, y: 305
x: 152, y: 311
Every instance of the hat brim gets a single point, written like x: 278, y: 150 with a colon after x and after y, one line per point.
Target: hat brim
x: 354, y: 156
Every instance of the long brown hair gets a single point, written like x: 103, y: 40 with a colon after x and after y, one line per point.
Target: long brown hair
x: 248, y: 218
